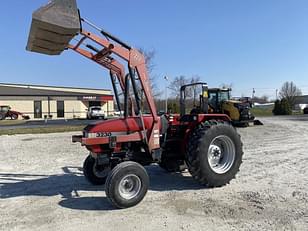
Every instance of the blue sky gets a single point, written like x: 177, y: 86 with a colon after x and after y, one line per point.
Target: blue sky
x: 247, y: 43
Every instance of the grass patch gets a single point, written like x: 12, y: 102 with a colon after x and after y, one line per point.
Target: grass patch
x: 51, y: 129
x: 259, y: 112
x: 11, y: 122
x: 297, y: 112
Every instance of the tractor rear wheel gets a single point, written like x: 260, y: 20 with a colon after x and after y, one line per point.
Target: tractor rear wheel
x: 95, y: 174
x: 214, y: 154
x: 127, y: 184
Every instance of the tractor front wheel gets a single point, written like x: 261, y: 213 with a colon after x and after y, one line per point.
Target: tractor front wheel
x: 214, y: 154
x: 14, y: 117
x: 95, y: 174
x: 127, y: 184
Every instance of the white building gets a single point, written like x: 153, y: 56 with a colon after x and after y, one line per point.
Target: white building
x: 38, y: 101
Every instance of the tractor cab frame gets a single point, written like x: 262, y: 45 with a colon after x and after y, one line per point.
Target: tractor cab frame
x: 217, y: 96
x: 199, y: 105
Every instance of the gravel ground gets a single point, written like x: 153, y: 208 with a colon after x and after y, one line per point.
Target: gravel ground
x: 42, y: 187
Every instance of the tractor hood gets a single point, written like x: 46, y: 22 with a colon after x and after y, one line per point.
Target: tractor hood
x: 237, y: 102
x: 122, y: 125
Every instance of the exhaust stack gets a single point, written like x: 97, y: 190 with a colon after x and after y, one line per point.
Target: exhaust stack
x: 53, y: 26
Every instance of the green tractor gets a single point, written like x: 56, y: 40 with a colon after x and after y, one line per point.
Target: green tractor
x: 218, y: 101
x: 238, y: 110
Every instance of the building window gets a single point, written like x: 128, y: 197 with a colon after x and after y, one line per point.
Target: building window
x: 60, y: 109
x: 37, y: 109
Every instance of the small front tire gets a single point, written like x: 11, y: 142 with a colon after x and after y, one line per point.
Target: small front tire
x: 14, y: 117
x: 127, y: 184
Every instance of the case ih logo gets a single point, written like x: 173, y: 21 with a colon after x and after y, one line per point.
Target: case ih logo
x: 89, y: 97
x: 96, y: 98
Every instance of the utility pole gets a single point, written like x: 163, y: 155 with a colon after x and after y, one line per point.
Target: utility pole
x: 276, y: 94
x: 166, y: 93
x: 253, y: 93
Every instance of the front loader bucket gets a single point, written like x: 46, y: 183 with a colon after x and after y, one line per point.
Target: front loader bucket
x: 53, y: 26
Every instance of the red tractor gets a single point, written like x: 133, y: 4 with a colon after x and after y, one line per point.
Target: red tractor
x: 119, y: 148
x: 6, y: 112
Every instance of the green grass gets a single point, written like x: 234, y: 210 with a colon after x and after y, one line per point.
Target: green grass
x: 259, y: 112
x: 12, y: 122
x: 52, y: 129
x: 298, y: 112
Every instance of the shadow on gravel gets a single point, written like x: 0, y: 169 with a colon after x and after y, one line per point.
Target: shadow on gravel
x: 87, y: 203
x: 72, y: 180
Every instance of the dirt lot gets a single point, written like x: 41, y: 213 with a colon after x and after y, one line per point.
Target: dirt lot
x: 42, y: 187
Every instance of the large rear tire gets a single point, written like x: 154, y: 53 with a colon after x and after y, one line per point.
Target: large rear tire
x: 95, y: 174
x: 214, y: 154
x: 127, y: 184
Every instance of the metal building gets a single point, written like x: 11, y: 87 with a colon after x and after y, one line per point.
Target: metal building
x: 40, y: 102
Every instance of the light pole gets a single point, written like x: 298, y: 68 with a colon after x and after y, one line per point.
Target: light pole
x: 166, y: 93
x: 276, y: 94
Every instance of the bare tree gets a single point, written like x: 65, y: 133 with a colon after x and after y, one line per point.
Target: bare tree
x: 191, y: 93
x: 149, y: 56
x: 290, y: 91
x: 176, y: 84
x: 181, y: 80
x: 226, y: 85
x: 195, y: 79
x: 194, y: 89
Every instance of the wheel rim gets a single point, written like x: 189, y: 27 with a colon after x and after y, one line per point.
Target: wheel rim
x: 221, y: 154
x: 129, y: 186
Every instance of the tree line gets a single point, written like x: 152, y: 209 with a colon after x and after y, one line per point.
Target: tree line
x: 287, y: 99
x: 284, y: 104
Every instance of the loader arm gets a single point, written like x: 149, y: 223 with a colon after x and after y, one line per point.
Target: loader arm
x: 56, y: 24
x: 136, y: 65
x: 113, y: 65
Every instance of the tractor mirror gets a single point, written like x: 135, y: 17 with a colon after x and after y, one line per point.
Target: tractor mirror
x: 53, y: 26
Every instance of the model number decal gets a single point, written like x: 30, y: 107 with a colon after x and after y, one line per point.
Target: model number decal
x: 103, y: 134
